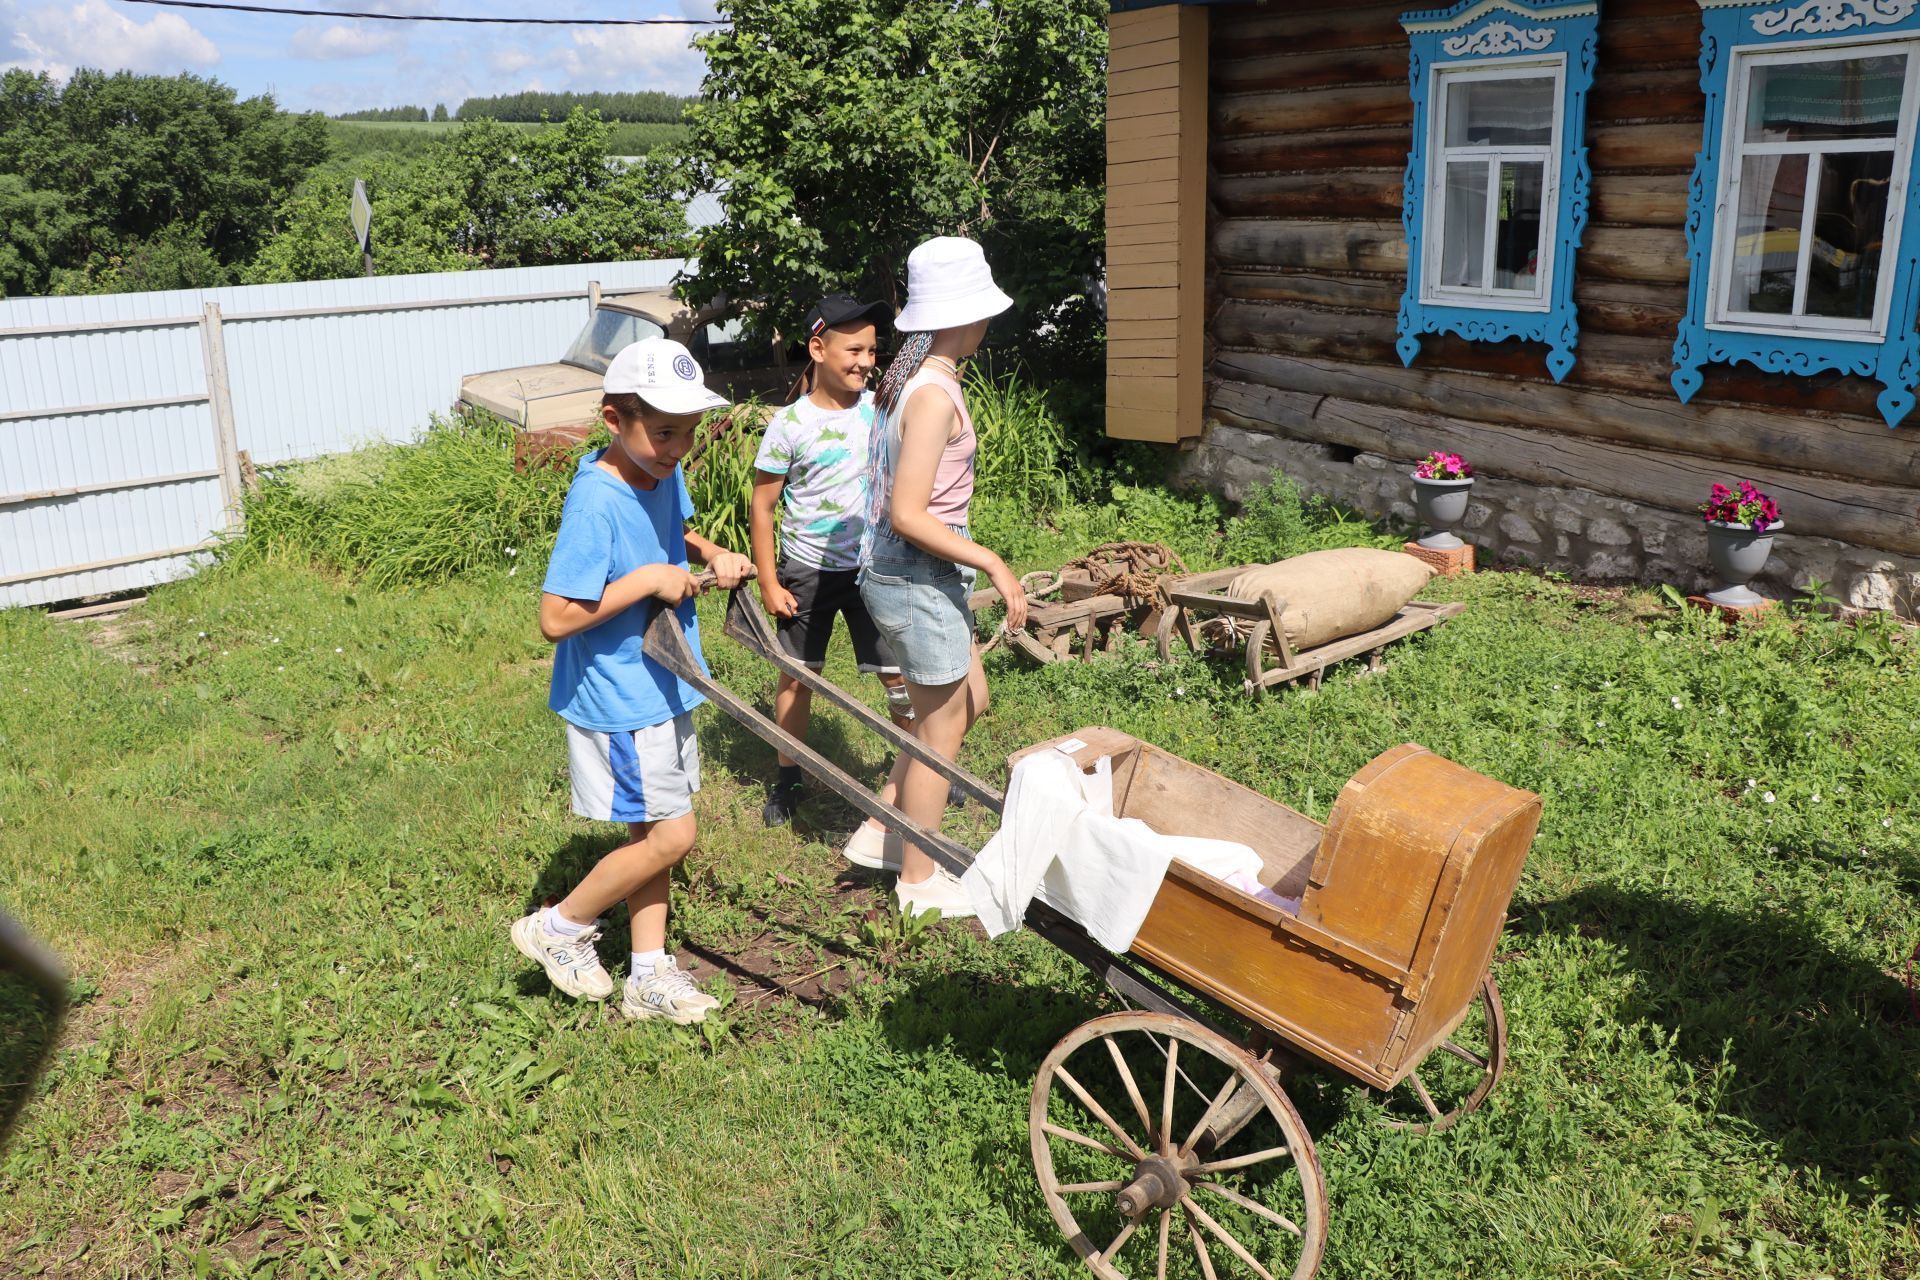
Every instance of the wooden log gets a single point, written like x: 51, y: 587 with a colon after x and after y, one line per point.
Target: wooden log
x: 1667, y: 39
x: 1234, y: 74
x: 1666, y: 93
x: 1336, y: 149
x: 1252, y: 32
x: 1645, y: 311
x: 1351, y: 106
x: 1822, y: 506
x: 1347, y: 193
x: 1641, y: 199
x: 1668, y: 147
x: 1633, y: 254
x: 1853, y: 447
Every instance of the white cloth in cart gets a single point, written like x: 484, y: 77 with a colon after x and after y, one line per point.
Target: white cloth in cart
x: 1059, y: 841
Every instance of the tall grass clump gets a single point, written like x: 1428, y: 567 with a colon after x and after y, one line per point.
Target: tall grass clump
x: 406, y: 515
x: 720, y: 476
x: 1024, y: 451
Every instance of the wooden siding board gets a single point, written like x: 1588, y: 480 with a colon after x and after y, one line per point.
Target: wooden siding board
x: 1152, y: 103
x: 1131, y: 27
x: 1164, y: 76
x: 1144, y: 275
x: 1132, y: 57
x: 1163, y: 146
x: 1147, y: 126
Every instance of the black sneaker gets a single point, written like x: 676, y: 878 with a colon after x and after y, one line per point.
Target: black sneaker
x: 783, y: 801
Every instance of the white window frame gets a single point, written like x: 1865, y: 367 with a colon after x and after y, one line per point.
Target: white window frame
x: 1433, y: 235
x: 1735, y: 149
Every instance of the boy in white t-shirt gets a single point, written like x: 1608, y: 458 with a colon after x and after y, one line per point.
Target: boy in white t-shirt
x: 812, y: 468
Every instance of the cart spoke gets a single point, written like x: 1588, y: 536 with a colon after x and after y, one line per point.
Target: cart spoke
x: 1241, y: 1162
x: 1126, y: 1234
x: 1226, y: 1238
x: 1113, y: 1185
x: 1097, y: 1111
x: 1200, y: 1248
x: 1166, y: 1220
x: 1227, y: 1090
x: 1081, y: 1138
x: 1253, y: 1206
x: 1465, y: 1055
x: 1165, y: 1142
x: 1133, y: 1090
x: 1426, y: 1099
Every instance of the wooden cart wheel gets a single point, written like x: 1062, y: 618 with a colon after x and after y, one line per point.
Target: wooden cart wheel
x: 1257, y: 655
x: 1164, y: 1150
x: 1456, y: 1077
x: 1163, y: 632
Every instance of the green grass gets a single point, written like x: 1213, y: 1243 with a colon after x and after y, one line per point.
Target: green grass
x: 354, y: 138
x: 278, y: 820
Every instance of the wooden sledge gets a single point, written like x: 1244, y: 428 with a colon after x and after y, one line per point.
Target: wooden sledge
x: 1207, y: 592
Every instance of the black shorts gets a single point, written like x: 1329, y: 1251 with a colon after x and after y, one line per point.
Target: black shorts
x: 820, y: 594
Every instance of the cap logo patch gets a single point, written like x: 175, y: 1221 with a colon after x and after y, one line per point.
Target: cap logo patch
x: 683, y: 365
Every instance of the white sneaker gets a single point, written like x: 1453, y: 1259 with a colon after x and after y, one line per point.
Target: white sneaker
x: 940, y: 892
x: 873, y: 847
x: 667, y: 993
x: 571, y: 962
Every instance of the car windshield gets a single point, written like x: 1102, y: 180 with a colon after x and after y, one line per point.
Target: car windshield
x: 605, y: 334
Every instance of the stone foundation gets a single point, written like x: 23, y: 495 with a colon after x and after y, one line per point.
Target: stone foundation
x: 1592, y: 537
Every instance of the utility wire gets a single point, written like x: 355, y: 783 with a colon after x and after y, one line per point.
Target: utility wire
x: 438, y: 17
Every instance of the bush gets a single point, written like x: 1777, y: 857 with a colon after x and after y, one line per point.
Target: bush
x: 393, y: 515
x: 1024, y: 450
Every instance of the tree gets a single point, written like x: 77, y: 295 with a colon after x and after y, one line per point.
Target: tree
x: 439, y: 113
x: 109, y: 170
x: 485, y: 196
x: 842, y: 132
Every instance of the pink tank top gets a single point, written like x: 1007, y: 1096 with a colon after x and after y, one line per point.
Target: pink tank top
x: 953, y: 479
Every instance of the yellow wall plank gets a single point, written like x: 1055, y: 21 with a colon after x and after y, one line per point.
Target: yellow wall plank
x: 1138, y: 217
x: 1165, y: 146
x: 1144, y: 304
x: 1166, y: 192
x: 1154, y: 394
x: 1165, y: 169
x: 1132, y: 57
x: 1139, y: 424
x: 1155, y: 366
x: 1142, y: 26
x: 1142, y: 126
x: 1123, y: 349
x: 1144, y: 275
x: 1158, y: 330
x: 1139, y: 255
x: 1164, y: 76
x: 1152, y: 103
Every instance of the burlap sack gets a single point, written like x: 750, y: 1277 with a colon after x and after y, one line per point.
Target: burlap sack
x: 1329, y: 594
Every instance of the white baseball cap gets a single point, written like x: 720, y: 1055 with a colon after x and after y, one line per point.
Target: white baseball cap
x: 948, y: 285
x: 664, y: 374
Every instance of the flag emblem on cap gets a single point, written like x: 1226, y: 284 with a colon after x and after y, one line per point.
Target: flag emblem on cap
x: 683, y: 365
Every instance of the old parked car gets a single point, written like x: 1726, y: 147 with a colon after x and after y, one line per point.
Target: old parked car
x: 557, y: 405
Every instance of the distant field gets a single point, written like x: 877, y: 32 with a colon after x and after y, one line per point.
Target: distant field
x: 410, y: 137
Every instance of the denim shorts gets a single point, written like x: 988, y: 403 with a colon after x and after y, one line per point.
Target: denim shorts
x: 919, y: 602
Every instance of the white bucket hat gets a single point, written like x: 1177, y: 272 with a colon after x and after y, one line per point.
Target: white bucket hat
x: 663, y: 373
x: 948, y: 285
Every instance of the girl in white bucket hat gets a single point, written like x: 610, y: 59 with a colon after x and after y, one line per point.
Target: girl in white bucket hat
x: 917, y: 564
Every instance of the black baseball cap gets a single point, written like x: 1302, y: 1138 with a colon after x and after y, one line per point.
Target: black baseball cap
x: 839, y: 308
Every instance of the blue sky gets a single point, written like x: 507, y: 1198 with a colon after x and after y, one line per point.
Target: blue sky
x: 334, y: 65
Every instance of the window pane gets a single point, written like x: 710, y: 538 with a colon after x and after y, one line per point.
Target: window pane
x: 1835, y: 98
x: 1463, y: 254
x: 1766, y: 247
x: 1843, y: 273
x: 1516, y: 229
x: 1500, y: 113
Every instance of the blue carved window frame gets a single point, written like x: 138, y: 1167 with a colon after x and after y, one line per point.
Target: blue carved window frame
x: 1889, y: 350
x: 1488, y: 35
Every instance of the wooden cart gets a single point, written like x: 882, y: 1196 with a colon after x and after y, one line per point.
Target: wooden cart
x: 1163, y: 1138
x: 1266, y: 638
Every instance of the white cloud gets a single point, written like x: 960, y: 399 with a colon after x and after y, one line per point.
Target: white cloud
x: 508, y: 61
x: 58, y: 38
x: 633, y: 58
x: 704, y: 9
x: 340, y: 41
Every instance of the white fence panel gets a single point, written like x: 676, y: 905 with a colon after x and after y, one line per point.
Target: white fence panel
x: 110, y: 461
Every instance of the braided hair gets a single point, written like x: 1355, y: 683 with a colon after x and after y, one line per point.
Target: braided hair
x: 880, y: 445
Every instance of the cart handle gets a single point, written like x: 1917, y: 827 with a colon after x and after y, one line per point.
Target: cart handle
x: 748, y: 625
x: 666, y: 643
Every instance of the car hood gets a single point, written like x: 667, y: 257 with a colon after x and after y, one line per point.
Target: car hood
x: 508, y: 391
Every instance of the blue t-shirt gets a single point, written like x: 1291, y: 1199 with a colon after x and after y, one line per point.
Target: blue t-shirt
x: 601, y: 678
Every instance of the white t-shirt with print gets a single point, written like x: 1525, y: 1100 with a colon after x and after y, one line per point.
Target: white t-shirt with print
x: 823, y: 455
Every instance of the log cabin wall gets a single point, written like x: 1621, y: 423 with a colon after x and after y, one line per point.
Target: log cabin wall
x: 1308, y: 135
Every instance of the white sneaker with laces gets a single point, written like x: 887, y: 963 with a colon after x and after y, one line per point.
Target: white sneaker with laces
x: 873, y: 847
x: 667, y: 993
x: 940, y: 892
x: 571, y: 962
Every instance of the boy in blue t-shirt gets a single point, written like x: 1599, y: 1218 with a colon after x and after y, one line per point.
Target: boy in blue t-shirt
x: 624, y: 540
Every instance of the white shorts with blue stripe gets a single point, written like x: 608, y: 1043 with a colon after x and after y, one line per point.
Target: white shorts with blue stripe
x: 635, y: 775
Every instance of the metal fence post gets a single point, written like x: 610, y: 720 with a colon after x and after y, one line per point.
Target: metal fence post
x: 213, y: 350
